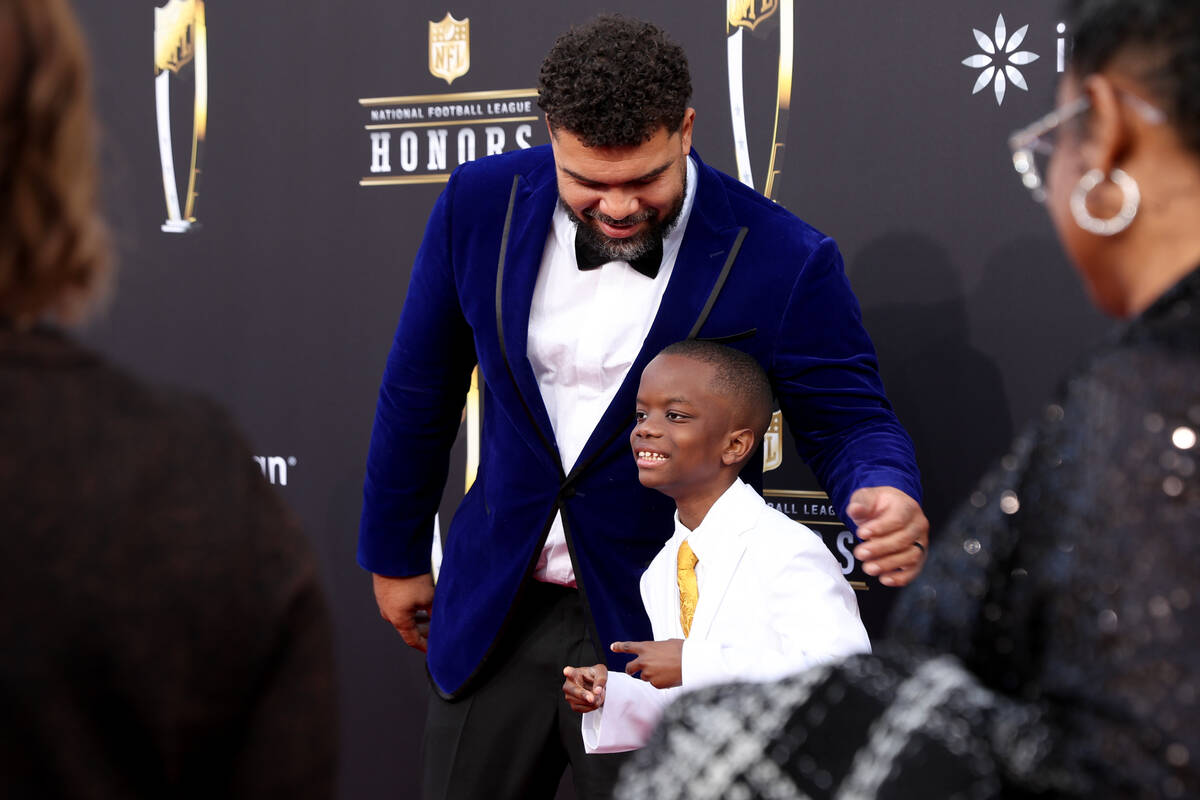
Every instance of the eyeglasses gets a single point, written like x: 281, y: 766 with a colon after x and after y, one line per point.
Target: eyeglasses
x: 1032, y: 146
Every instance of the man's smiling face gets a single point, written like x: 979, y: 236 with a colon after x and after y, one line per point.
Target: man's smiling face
x: 623, y: 198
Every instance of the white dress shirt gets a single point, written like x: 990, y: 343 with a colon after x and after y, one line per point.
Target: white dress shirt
x: 586, y: 328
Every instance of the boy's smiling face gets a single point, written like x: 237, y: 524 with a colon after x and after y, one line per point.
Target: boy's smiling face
x: 682, y: 434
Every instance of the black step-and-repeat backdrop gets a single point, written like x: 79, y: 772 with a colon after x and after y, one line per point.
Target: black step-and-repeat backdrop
x: 269, y: 167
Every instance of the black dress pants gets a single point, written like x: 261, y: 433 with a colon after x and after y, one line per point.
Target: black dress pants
x: 513, y: 735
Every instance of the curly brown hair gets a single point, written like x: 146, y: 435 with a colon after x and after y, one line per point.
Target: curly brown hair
x: 614, y: 81
x: 54, y: 255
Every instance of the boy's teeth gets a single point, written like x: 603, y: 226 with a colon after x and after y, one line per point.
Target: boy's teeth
x: 652, y: 456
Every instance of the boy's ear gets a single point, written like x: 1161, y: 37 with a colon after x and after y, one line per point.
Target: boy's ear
x: 738, y: 448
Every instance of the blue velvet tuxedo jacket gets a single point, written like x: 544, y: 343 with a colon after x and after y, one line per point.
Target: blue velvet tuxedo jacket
x: 786, y: 301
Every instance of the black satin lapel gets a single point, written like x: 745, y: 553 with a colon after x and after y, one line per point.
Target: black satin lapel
x: 526, y: 226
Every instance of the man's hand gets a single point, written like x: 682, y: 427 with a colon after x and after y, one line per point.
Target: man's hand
x: 891, y: 525
x: 661, y: 663
x: 406, y: 603
x: 584, y: 687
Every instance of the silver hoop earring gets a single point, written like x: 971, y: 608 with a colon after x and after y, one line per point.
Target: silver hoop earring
x: 1129, y: 207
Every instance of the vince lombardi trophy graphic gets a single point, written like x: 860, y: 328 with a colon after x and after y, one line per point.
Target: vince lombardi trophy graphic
x: 180, y: 52
x: 743, y: 19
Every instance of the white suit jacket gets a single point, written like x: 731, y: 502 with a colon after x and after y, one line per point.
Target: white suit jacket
x: 772, y: 601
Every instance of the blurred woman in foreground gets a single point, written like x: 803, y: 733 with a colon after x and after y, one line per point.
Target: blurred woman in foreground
x: 163, y: 628
x: 1052, y: 645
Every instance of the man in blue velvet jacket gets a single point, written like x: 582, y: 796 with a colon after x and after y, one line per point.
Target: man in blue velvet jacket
x: 561, y: 271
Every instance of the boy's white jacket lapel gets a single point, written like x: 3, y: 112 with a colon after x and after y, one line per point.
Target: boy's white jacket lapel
x: 723, y: 555
x: 731, y: 516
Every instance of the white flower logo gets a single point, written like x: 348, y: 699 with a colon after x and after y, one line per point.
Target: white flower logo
x: 998, y: 58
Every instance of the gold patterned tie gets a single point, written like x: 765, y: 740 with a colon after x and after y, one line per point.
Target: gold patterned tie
x: 688, y: 592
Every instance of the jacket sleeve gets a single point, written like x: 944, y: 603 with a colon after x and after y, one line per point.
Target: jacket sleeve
x: 812, y: 618
x: 827, y: 379
x: 631, y: 709
x: 419, y: 410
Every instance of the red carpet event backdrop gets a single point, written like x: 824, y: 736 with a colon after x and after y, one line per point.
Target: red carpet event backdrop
x: 269, y: 181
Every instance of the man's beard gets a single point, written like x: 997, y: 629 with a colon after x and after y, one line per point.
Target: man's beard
x: 630, y: 247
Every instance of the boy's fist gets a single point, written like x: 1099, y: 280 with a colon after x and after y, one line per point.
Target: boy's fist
x: 584, y: 687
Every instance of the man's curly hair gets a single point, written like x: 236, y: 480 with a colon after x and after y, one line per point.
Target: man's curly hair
x: 54, y: 256
x: 614, y: 82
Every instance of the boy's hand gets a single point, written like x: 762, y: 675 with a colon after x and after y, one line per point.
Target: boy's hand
x: 584, y: 687
x: 661, y: 663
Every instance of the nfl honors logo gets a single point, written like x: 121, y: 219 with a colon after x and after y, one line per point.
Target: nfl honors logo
x: 421, y: 138
x: 449, y: 48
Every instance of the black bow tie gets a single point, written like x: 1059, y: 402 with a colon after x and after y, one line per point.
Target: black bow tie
x: 589, y: 257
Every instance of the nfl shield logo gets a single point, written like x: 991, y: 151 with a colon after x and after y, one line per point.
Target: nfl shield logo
x: 748, y: 13
x: 773, y: 444
x: 449, y: 48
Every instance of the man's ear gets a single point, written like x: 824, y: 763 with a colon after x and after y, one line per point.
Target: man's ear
x: 685, y: 130
x: 738, y: 447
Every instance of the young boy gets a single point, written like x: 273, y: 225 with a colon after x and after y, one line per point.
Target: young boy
x: 740, y: 591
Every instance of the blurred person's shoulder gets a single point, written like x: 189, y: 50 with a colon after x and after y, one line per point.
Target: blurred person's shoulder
x: 148, y: 545
x: 125, y: 490
x: 1150, y: 363
x: 94, y: 436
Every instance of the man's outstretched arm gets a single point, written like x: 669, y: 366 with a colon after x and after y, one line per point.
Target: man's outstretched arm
x: 825, y: 373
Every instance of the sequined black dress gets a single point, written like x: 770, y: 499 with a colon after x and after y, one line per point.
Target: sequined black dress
x: 1051, y: 646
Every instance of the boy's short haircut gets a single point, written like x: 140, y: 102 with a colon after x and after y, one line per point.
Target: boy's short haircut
x: 736, y: 375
